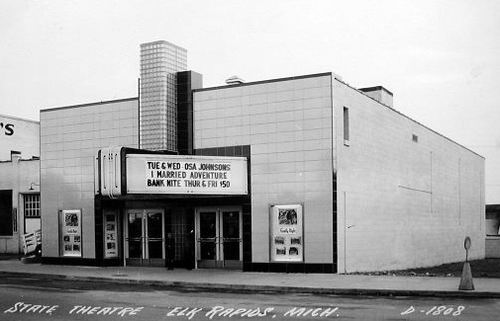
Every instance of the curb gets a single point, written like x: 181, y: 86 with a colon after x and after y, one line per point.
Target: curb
x: 261, y: 289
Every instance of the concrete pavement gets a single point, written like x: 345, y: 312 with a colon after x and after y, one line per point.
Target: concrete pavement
x: 238, y: 281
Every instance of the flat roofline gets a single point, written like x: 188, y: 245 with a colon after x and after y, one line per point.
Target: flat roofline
x: 343, y: 82
x: 411, y: 119
x: 89, y: 104
x: 19, y: 118
x: 162, y: 42
x: 264, y: 81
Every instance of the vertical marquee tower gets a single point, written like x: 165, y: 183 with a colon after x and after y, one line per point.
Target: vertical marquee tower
x: 160, y: 62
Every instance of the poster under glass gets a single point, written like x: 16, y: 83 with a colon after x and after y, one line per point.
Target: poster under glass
x: 286, y: 225
x: 71, y: 232
x: 110, y: 234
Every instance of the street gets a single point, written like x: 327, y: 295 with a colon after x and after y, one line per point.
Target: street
x: 39, y: 299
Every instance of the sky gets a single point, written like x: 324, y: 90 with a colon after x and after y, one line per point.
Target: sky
x: 440, y: 59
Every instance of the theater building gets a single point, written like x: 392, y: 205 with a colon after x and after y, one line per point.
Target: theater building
x: 19, y: 181
x: 297, y: 174
x: 492, y: 231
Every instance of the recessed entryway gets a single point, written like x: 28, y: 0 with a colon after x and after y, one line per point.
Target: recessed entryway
x: 219, y: 237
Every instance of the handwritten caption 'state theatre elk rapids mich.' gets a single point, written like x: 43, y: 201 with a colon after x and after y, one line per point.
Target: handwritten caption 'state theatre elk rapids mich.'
x: 183, y: 312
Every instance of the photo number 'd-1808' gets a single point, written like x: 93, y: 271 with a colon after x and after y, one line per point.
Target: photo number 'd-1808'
x: 441, y: 310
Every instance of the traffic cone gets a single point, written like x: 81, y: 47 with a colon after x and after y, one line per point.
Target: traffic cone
x: 466, y: 280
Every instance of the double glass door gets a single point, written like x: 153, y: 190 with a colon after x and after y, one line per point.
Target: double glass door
x: 219, y: 237
x: 145, y: 237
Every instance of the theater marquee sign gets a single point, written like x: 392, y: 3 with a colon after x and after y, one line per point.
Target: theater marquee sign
x: 172, y: 174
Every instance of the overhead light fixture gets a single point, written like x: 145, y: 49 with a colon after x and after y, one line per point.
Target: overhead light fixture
x: 31, y: 186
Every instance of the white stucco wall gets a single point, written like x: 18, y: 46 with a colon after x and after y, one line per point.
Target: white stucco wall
x: 18, y: 175
x: 19, y: 134
x: 70, y: 139
x: 288, y: 124
x: 402, y: 203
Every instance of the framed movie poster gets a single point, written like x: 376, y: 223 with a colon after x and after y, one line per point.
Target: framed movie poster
x: 70, y: 222
x: 110, y: 234
x: 286, y: 227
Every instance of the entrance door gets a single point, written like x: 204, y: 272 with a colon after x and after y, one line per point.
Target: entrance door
x: 145, y: 237
x: 219, y: 237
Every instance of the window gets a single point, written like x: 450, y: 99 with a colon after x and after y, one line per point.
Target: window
x: 492, y: 222
x: 346, y: 126
x: 32, y: 205
x: 6, y: 223
x: 414, y: 138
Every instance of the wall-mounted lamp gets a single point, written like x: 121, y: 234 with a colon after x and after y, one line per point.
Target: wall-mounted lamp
x: 33, y: 184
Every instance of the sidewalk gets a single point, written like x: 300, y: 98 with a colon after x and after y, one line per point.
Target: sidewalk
x: 237, y: 281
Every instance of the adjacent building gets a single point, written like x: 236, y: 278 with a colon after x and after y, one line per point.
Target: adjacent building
x: 19, y: 181
x: 492, y: 231
x: 297, y: 174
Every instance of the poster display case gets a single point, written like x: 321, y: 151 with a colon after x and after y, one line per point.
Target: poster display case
x: 110, y: 234
x: 70, y: 223
x: 286, y: 231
